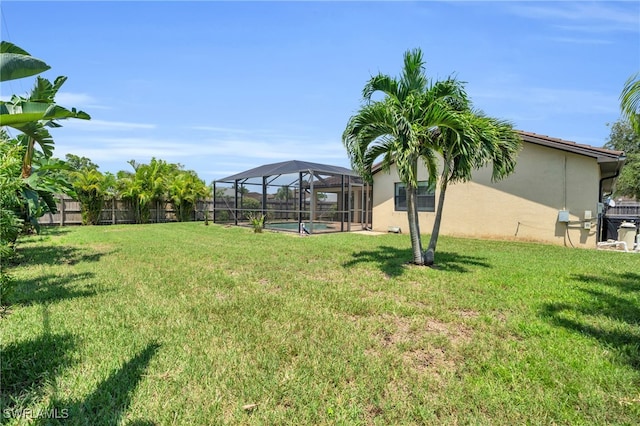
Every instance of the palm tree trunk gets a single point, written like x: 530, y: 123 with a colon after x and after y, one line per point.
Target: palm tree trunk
x: 430, y: 254
x: 414, y: 225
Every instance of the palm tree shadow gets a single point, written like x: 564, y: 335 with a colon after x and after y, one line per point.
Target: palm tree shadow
x: 585, y: 317
x: 57, y: 255
x: 392, y: 261
x: 626, y: 282
x: 54, y: 230
x: 29, y: 365
x: 108, y: 404
x: 53, y: 288
x: 455, y: 262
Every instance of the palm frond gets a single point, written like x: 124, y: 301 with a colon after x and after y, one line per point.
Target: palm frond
x: 413, y: 79
x: 381, y: 83
x: 630, y: 101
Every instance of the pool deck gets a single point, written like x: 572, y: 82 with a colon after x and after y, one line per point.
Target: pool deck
x: 324, y: 228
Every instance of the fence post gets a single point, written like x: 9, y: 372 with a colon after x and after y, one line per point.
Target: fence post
x: 62, y: 205
x: 113, y: 210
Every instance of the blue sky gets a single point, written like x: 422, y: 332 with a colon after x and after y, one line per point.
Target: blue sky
x: 222, y: 87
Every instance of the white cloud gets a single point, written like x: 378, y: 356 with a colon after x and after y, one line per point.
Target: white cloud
x: 548, y: 100
x: 275, y: 148
x: 102, y: 125
x: 216, y: 129
x: 78, y: 100
x: 71, y: 100
x: 594, y: 29
x: 222, y: 151
x: 577, y: 40
x: 117, y: 152
x: 583, y: 16
x: 108, y: 148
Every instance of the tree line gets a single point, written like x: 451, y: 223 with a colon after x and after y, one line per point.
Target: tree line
x: 141, y: 187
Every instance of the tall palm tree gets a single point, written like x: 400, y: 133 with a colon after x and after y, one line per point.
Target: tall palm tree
x: 185, y: 188
x: 145, y: 186
x: 398, y: 129
x: 284, y: 193
x: 480, y: 141
x: 630, y: 101
x: 90, y: 187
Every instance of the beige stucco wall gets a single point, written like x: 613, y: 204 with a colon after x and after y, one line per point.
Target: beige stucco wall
x: 523, y: 206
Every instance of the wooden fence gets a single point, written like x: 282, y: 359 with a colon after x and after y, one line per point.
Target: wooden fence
x: 116, y: 211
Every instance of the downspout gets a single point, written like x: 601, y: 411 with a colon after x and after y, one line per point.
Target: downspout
x: 621, y: 160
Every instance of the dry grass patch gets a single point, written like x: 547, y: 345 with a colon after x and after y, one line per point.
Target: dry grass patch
x: 468, y: 313
x: 423, y: 344
x: 433, y: 361
x: 416, y: 329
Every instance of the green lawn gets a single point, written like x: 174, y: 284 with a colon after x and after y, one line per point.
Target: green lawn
x: 188, y: 324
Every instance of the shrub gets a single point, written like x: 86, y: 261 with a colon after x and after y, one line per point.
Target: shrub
x: 6, y: 287
x: 257, y: 221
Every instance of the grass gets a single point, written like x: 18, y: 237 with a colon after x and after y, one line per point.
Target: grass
x: 187, y: 324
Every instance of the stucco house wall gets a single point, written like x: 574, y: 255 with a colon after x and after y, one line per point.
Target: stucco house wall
x: 524, y: 206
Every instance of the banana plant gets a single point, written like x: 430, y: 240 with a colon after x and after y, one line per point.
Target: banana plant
x: 18, y: 63
x: 40, y: 187
x: 31, y: 115
x: 38, y: 106
x: 20, y: 112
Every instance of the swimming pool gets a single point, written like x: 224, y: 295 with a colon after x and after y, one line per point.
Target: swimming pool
x: 293, y: 226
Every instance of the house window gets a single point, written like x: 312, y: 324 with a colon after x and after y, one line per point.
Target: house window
x: 426, y: 197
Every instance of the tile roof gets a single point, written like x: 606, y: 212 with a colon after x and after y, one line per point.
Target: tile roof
x: 564, y: 145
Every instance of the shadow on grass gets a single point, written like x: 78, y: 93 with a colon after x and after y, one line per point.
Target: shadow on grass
x: 28, y: 370
x: 52, y: 288
x: 586, y: 316
x: 28, y: 366
x: 392, y: 260
x: 455, y: 262
x: 108, y: 404
x: 626, y: 282
x: 45, y: 231
x: 56, y: 255
x: 54, y: 230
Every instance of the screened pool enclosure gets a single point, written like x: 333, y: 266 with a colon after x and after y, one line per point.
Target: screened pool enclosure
x: 294, y: 196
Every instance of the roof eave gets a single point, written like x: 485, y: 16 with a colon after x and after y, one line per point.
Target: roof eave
x: 572, y: 147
